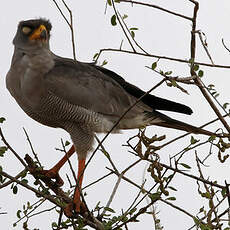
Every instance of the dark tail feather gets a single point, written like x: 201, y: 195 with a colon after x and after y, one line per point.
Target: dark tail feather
x: 175, y: 124
x: 157, y: 103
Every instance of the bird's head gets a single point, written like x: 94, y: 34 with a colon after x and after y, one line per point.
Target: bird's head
x: 33, y: 34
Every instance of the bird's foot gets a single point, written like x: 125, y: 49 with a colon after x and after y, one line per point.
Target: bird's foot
x: 53, y: 175
x: 73, y: 209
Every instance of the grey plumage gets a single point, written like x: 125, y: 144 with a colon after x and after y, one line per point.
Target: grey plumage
x: 79, y: 97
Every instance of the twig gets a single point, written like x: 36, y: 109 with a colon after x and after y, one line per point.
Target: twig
x: 31, y: 146
x: 157, y: 7
x: 11, y: 181
x: 121, y: 117
x: 205, y: 46
x: 11, y: 149
x: 225, y: 45
x: 35, y: 191
x: 122, y: 27
x: 70, y: 24
x: 162, y: 57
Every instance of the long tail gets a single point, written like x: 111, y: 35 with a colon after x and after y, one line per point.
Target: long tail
x: 175, y: 124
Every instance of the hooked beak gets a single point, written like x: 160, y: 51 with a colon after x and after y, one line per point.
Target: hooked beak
x: 39, y: 34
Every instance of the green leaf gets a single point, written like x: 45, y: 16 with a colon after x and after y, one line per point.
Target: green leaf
x: 132, y: 211
x: 212, y: 138
x: 155, y: 196
x: 109, y: 2
x: 201, y: 73
x: 3, y: 149
x: 54, y: 225
x: 104, y: 63
x: 67, y: 143
x: 154, y: 65
x: 133, y: 28
x: 223, y: 192
x: 174, y: 83
x: 196, y: 67
x: 23, y: 174
x: 193, y: 140
x: 18, y: 214
x: 174, y: 189
x: 95, y: 56
x: 15, y: 189
x: 124, y: 16
x: 168, y: 73
x: 109, y: 209
x: 206, y: 195
x: 185, y: 165
x: 114, y: 20
x: 24, y: 181
x: 225, y: 105
x: 171, y: 198
x: 132, y: 34
x: 2, y: 119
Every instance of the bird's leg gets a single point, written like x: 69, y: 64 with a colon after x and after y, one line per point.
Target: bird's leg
x: 77, y: 192
x: 77, y: 204
x: 53, y: 172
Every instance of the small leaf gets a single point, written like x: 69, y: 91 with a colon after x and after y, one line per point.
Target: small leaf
x: 24, y: 181
x: 155, y: 196
x: 104, y: 63
x: 201, y: 73
x: 109, y: 2
x: 170, y: 187
x: 212, y: 138
x: 154, y: 65
x: 193, y: 140
x: 133, y: 28
x: 185, y: 165
x: 114, y: 20
x: 132, y: 211
x: 168, y: 73
x: 2, y: 119
x: 206, y: 195
x: 15, y: 189
x: 124, y: 16
x: 95, y: 56
x: 67, y: 143
x: 196, y: 67
x: 3, y: 149
x: 224, y: 192
x: 174, y: 83
x: 109, y: 209
x: 225, y: 105
x: 23, y: 174
x: 132, y: 34
x: 18, y: 214
x: 171, y: 198
x: 54, y: 225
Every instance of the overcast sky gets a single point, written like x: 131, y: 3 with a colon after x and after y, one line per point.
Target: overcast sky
x: 159, y: 33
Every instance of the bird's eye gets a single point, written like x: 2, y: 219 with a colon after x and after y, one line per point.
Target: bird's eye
x: 26, y: 29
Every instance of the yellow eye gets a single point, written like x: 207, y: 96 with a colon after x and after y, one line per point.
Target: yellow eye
x: 26, y: 30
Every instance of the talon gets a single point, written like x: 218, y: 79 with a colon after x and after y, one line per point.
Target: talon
x: 53, y: 175
x: 72, y: 209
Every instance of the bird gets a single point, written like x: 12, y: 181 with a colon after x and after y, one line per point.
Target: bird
x: 81, y: 98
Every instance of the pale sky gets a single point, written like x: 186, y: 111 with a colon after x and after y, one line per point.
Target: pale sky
x: 160, y: 34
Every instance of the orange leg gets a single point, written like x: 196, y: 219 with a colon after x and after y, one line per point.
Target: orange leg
x: 77, y: 193
x: 53, y: 172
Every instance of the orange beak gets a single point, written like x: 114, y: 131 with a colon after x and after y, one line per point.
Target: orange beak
x: 39, y: 34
